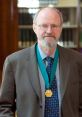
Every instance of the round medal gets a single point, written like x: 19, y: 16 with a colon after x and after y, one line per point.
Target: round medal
x: 48, y: 93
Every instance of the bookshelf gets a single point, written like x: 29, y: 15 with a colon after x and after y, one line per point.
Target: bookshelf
x: 72, y: 28
x: 27, y: 36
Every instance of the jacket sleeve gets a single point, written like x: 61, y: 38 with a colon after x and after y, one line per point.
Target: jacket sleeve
x: 7, y: 91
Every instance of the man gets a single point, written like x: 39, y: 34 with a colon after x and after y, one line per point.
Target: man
x: 27, y: 86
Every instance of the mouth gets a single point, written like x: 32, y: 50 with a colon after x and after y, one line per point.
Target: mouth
x: 49, y: 37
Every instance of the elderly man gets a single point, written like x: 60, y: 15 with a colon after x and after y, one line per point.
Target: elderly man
x: 44, y: 80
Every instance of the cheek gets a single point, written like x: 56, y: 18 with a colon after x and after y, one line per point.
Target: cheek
x: 57, y: 32
x: 40, y: 33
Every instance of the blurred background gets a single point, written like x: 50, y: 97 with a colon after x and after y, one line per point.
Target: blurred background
x: 16, y: 18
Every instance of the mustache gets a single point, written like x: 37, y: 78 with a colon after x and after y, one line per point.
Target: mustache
x: 49, y: 36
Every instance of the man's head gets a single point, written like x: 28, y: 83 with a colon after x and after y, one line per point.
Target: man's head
x: 47, y: 25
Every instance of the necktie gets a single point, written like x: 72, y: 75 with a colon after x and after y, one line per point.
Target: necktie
x: 51, y: 103
x: 49, y: 61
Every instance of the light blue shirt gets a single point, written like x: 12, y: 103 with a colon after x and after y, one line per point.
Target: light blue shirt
x: 43, y: 55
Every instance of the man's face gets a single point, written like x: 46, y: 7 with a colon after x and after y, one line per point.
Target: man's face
x: 48, y: 28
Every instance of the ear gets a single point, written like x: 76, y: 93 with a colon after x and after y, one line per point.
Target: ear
x: 34, y: 28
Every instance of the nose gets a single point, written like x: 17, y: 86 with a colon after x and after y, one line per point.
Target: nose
x: 49, y: 29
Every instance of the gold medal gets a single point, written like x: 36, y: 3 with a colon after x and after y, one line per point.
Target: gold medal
x: 48, y: 93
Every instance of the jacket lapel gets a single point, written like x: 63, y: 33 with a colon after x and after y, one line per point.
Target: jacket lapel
x: 64, y: 69
x: 34, y: 73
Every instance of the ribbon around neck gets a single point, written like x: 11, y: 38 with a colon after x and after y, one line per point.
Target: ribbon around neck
x: 43, y: 67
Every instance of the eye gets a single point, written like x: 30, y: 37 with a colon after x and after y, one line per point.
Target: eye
x: 54, y: 26
x: 44, y: 25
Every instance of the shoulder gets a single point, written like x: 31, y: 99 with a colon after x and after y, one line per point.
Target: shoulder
x: 21, y: 54
x: 70, y: 54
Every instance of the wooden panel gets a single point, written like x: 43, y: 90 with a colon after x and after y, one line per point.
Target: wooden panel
x: 8, y: 28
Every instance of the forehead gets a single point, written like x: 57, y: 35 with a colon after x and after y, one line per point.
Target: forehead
x: 48, y: 15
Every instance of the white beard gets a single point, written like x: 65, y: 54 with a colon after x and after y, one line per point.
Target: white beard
x: 48, y: 45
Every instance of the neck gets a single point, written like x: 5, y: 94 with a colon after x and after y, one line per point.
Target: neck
x: 48, y: 51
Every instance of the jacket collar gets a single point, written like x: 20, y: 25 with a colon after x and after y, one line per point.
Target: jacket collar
x: 63, y: 71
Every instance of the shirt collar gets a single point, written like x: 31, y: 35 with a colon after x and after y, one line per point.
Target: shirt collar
x: 43, y: 55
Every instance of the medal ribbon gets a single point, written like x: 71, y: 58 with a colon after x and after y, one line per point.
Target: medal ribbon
x: 43, y: 67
